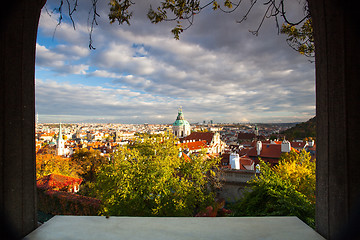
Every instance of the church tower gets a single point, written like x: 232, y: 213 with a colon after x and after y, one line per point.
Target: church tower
x: 256, y: 131
x: 181, y: 127
x: 60, y: 143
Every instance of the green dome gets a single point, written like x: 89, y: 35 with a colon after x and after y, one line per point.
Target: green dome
x: 181, y: 123
x: 180, y: 120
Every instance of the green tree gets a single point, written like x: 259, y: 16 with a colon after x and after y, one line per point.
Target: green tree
x: 151, y: 179
x: 300, y: 38
x: 87, y: 163
x: 287, y: 189
x: 302, y: 130
x: 300, y: 34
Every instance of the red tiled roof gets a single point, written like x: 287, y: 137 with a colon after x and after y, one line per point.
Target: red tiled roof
x: 57, y: 181
x: 245, y: 161
x: 244, y: 151
x: 298, y: 144
x: 207, y: 136
x: 267, y: 151
x: 245, y: 136
x: 197, y: 145
x: 186, y: 157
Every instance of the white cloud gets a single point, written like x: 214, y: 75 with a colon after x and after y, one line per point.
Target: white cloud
x: 45, y: 57
x: 74, y: 51
x: 140, y: 72
x: 57, y: 62
x: 105, y: 74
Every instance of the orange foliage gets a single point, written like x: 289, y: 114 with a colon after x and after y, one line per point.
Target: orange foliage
x: 49, y: 163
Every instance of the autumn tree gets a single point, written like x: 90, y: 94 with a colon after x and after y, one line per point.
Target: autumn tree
x: 49, y: 163
x: 287, y: 189
x: 298, y: 170
x: 153, y: 178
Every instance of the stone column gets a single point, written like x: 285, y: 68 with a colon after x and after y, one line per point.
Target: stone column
x: 19, y: 22
x: 338, y: 117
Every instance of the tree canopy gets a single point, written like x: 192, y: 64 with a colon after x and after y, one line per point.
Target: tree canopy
x: 287, y: 189
x: 302, y: 130
x: 301, y: 38
x: 87, y: 162
x: 48, y: 163
x: 153, y: 178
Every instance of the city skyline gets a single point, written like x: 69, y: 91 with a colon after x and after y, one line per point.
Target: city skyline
x: 140, y: 74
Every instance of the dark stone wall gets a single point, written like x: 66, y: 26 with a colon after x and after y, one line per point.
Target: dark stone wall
x: 19, y: 22
x: 338, y: 104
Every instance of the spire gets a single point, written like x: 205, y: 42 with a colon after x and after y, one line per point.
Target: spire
x: 180, y: 114
x: 60, y: 132
x: 60, y: 143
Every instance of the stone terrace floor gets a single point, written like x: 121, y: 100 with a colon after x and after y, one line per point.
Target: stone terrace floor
x: 227, y: 228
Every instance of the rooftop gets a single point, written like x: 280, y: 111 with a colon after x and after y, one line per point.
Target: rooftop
x: 198, y: 136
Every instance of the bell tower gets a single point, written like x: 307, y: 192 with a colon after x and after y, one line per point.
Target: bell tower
x: 60, y: 143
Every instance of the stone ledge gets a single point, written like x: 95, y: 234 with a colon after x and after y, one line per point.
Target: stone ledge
x: 97, y: 227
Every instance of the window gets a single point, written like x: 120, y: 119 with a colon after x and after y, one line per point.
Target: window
x: 335, y: 80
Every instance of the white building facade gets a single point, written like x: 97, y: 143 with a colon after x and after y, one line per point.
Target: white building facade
x: 181, y: 127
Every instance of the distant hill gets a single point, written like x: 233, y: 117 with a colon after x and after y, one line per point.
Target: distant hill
x: 302, y: 130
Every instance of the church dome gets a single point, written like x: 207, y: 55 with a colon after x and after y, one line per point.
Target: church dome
x: 180, y: 120
x: 181, y: 127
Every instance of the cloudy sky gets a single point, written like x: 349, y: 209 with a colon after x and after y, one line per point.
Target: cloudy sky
x: 139, y: 73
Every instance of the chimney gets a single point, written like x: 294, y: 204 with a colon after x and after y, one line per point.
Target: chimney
x: 285, y: 146
x: 234, y: 161
x: 258, y: 147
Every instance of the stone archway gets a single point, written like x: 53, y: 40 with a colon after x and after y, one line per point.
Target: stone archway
x: 337, y: 103
x: 338, y: 115
x: 19, y: 23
